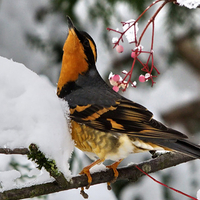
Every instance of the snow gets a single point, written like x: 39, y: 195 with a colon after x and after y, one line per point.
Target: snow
x: 36, y: 177
x: 25, y: 174
x: 8, y: 179
x: 130, y: 32
x: 32, y: 113
x: 198, y: 194
x: 114, y: 40
x: 98, y: 168
x: 12, y: 179
x: 191, y: 4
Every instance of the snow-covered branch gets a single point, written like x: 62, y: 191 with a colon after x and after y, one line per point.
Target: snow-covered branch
x: 130, y: 172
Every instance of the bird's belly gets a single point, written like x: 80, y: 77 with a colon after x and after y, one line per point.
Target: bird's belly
x: 105, y: 145
x: 93, y: 142
x: 125, y: 148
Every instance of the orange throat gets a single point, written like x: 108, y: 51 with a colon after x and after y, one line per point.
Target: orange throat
x: 73, y: 61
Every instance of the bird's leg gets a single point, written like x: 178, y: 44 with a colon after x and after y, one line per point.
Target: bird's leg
x: 116, y: 173
x: 86, y: 171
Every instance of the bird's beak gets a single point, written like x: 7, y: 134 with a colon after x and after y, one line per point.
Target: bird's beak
x: 70, y: 23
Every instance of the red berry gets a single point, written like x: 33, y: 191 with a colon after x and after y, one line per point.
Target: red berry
x: 116, y: 88
x: 116, y: 78
x: 119, y: 48
x: 142, y: 78
x: 133, y: 54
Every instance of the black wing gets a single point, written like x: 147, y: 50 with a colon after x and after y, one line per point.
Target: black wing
x: 125, y: 117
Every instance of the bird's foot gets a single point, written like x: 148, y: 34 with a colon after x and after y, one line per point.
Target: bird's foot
x: 116, y: 173
x: 86, y: 171
x: 82, y: 192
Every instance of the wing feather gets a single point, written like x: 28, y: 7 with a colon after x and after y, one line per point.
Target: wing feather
x: 124, y: 117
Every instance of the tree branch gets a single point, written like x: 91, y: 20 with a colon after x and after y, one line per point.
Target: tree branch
x: 22, y: 151
x: 36, y: 155
x: 131, y: 173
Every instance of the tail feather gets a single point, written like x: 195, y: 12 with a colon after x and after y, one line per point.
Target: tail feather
x: 180, y: 145
x: 186, y: 147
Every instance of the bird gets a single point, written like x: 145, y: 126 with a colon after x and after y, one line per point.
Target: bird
x: 104, y: 124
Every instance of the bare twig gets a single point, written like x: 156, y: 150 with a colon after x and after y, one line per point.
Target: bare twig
x: 22, y: 151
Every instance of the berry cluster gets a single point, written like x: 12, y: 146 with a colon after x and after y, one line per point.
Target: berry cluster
x: 130, y: 30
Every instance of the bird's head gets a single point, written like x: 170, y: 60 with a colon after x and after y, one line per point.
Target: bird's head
x: 78, y: 57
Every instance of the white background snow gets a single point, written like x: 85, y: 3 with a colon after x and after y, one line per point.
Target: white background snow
x: 17, y: 18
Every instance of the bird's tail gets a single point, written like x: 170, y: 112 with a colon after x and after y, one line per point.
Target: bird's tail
x: 183, y: 146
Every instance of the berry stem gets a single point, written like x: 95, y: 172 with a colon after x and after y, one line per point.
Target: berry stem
x: 152, y: 18
x: 171, y: 188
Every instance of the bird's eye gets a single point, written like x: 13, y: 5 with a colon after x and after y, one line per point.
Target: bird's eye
x: 86, y: 43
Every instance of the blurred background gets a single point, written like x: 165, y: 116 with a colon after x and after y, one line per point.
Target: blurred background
x: 33, y: 33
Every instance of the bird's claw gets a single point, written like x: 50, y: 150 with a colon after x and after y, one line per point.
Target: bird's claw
x: 82, y: 192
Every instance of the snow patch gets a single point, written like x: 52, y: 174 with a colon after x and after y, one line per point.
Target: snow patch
x: 131, y: 32
x: 191, y: 4
x: 198, y: 194
x: 98, y: 168
x: 8, y: 179
x: 32, y: 113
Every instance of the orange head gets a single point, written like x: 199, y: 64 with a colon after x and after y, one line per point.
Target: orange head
x: 79, y: 56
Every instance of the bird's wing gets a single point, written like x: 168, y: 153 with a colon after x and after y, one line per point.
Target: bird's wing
x: 125, y: 117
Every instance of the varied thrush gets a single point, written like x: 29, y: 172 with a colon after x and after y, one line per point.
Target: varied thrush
x: 105, y: 125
